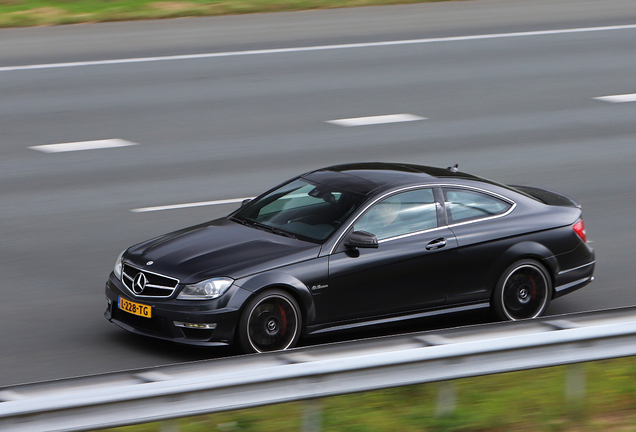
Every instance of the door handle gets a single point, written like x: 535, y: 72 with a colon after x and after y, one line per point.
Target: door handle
x: 436, y: 244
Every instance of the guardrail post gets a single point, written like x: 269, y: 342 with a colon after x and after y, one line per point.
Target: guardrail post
x: 446, y: 398
x: 575, y: 383
x: 312, y: 414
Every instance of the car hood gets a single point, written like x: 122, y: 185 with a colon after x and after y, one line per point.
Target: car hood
x: 218, y: 248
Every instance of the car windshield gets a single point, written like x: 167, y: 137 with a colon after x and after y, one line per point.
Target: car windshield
x: 308, y: 211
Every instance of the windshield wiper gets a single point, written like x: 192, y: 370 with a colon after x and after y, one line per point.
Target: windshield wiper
x: 272, y: 229
x: 260, y: 225
x: 241, y: 221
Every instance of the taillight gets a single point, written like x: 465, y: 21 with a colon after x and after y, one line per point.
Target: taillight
x: 579, y: 229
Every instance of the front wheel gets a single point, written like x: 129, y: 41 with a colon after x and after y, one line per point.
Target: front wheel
x: 523, y: 291
x: 271, y: 321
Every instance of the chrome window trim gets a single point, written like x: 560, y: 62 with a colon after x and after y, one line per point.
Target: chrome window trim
x: 401, y: 236
x: 512, y: 203
x: 577, y: 268
x: 486, y: 218
x: 172, y: 290
x: 485, y: 191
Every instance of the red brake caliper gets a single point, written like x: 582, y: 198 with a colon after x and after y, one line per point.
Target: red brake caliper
x: 284, y: 320
x: 534, y: 287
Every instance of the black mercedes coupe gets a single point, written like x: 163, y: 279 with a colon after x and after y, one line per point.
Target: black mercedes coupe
x: 349, y: 246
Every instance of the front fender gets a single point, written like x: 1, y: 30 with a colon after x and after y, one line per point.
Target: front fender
x: 299, y: 290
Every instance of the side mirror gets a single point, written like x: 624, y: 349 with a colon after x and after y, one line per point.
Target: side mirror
x: 245, y: 201
x: 362, y: 239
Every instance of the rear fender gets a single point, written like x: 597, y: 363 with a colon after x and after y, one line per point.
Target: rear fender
x: 519, y: 251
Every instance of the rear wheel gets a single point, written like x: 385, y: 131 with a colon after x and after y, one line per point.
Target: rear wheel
x: 271, y: 321
x: 523, y: 291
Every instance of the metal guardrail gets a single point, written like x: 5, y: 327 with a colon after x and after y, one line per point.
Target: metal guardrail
x: 182, y: 390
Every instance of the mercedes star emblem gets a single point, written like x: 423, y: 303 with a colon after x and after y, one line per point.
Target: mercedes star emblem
x: 139, y: 283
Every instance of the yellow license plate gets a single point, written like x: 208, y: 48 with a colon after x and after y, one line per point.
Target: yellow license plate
x: 134, y: 308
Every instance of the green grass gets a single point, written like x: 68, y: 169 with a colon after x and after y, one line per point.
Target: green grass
x: 21, y: 13
x: 518, y: 401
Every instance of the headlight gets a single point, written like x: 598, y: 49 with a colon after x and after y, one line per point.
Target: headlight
x: 206, y: 290
x: 118, y: 265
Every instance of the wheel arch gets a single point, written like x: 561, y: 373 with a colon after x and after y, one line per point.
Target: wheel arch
x: 520, y: 251
x: 299, y: 291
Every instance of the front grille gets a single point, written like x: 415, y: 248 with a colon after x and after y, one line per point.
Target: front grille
x: 156, y: 285
x: 157, y: 325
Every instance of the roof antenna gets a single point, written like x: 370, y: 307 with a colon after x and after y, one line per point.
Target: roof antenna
x: 453, y: 168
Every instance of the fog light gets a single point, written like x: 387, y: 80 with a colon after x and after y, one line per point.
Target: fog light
x: 210, y: 326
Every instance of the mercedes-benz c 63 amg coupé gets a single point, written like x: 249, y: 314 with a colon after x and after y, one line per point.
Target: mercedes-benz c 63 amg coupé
x: 353, y: 245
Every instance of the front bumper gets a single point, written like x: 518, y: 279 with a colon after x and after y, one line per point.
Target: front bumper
x: 167, y: 312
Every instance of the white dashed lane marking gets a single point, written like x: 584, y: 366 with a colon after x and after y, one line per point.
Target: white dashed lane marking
x: 82, y: 145
x: 188, y: 205
x: 374, y: 120
x: 618, y: 98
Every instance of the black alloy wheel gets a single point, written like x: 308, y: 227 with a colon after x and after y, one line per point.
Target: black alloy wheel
x: 523, y: 291
x: 271, y: 321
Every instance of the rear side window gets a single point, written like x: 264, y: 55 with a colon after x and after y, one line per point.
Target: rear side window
x: 464, y: 205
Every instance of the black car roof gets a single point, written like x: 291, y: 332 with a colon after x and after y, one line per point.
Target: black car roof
x: 365, y: 178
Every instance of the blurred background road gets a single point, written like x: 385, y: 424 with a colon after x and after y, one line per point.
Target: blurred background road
x: 520, y: 109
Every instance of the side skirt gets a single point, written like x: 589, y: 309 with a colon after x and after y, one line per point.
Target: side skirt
x: 359, y: 324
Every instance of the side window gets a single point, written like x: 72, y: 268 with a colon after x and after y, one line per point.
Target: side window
x: 400, y: 214
x: 465, y: 205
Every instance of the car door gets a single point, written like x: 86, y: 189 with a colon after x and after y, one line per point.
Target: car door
x: 409, y: 270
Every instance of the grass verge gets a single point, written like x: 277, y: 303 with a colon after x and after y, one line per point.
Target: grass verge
x: 23, y: 13
x: 517, y: 401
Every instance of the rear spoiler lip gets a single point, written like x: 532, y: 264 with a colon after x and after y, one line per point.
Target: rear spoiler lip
x: 528, y: 190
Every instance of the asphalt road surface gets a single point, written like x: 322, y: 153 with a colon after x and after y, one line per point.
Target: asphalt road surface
x: 516, y: 103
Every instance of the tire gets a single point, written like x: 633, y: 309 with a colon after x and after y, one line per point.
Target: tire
x: 523, y: 291
x: 271, y: 321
